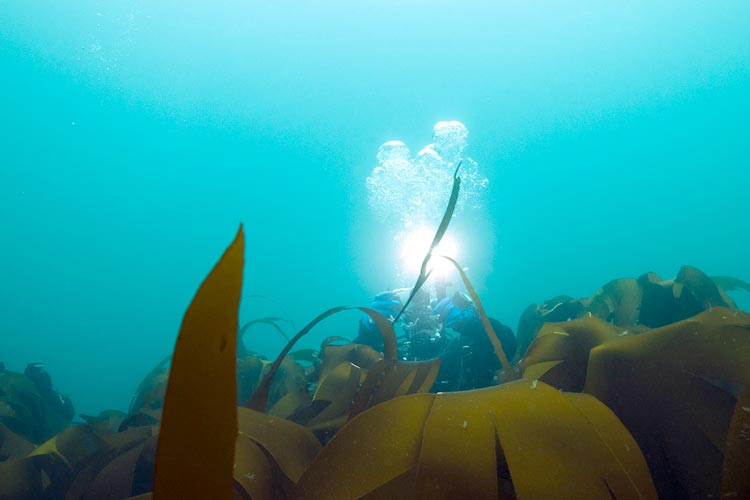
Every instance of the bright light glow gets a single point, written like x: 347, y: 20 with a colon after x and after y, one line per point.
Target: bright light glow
x: 415, y: 247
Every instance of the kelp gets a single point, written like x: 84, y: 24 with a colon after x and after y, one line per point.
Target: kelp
x: 442, y: 228
x: 66, y: 465
x: 670, y: 388
x: 199, y: 423
x: 735, y: 480
x: 150, y: 392
x: 560, y: 353
x: 491, y: 335
x: 635, y: 305
x: 272, y: 321
x: 26, y: 411
x: 457, y: 445
x: 12, y: 445
x: 674, y: 388
x: 259, y: 399
x: 730, y: 283
x: 383, y: 379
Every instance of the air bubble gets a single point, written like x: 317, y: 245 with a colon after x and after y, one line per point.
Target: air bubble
x: 414, y: 191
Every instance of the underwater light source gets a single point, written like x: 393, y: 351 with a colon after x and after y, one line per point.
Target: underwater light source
x: 417, y: 243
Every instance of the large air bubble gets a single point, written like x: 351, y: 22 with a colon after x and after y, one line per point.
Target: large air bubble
x: 414, y: 191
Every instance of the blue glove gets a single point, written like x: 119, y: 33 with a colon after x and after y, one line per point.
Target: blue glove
x: 451, y: 314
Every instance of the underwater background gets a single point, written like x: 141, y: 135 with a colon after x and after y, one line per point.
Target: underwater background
x: 135, y: 136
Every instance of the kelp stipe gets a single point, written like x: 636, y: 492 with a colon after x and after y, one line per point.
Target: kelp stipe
x: 202, y: 390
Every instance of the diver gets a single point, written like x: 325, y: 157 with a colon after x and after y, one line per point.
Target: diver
x: 469, y: 360
x: 388, y: 304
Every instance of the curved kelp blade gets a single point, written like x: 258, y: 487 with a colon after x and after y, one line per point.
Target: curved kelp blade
x: 259, y: 399
x: 442, y: 228
x: 150, y: 390
x: 389, y: 379
x: 673, y: 388
x: 199, y: 424
x: 559, y: 354
x: 272, y: 321
x: 462, y: 445
x: 730, y: 283
x: 485, y: 319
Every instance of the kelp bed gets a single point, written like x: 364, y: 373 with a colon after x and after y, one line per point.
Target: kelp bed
x: 599, y: 406
x: 638, y: 391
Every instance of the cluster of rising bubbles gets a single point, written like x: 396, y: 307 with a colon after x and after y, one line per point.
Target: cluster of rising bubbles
x: 415, y: 190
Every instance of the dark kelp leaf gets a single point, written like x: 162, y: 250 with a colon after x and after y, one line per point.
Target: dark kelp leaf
x: 735, y: 477
x: 338, y: 387
x: 150, y: 392
x: 75, y: 446
x: 694, y: 292
x: 20, y: 479
x: 288, y: 390
x: 115, y: 478
x: 658, y: 384
x: 107, y: 471
x: 618, y: 302
x: 389, y: 379
x: 12, y: 445
x: 559, y: 355
x: 332, y: 356
x: 199, y: 422
x: 106, y: 422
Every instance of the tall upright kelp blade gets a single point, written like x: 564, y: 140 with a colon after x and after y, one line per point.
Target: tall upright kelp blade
x: 195, y: 453
x: 442, y: 228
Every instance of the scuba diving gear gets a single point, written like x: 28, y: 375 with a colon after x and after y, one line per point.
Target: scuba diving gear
x: 456, y: 311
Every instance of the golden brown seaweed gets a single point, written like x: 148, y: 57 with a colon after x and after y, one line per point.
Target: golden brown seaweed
x: 199, y: 422
x: 446, y: 446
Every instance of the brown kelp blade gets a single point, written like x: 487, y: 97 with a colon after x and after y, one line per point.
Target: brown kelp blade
x: 730, y: 283
x: 559, y: 354
x: 442, y: 228
x: 267, y: 320
x: 735, y: 479
x: 199, y: 424
x: 456, y: 445
x: 389, y: 379
x: 485, y: 319
x: 671, y: 388
x: 259, y: 399
x: 145, y: 388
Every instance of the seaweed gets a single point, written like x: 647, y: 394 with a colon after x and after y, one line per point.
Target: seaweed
x: 194, y: 457
x: 445, y: 446
x: 442, y: 228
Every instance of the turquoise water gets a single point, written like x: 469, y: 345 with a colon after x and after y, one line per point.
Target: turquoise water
x: 136, y: 136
